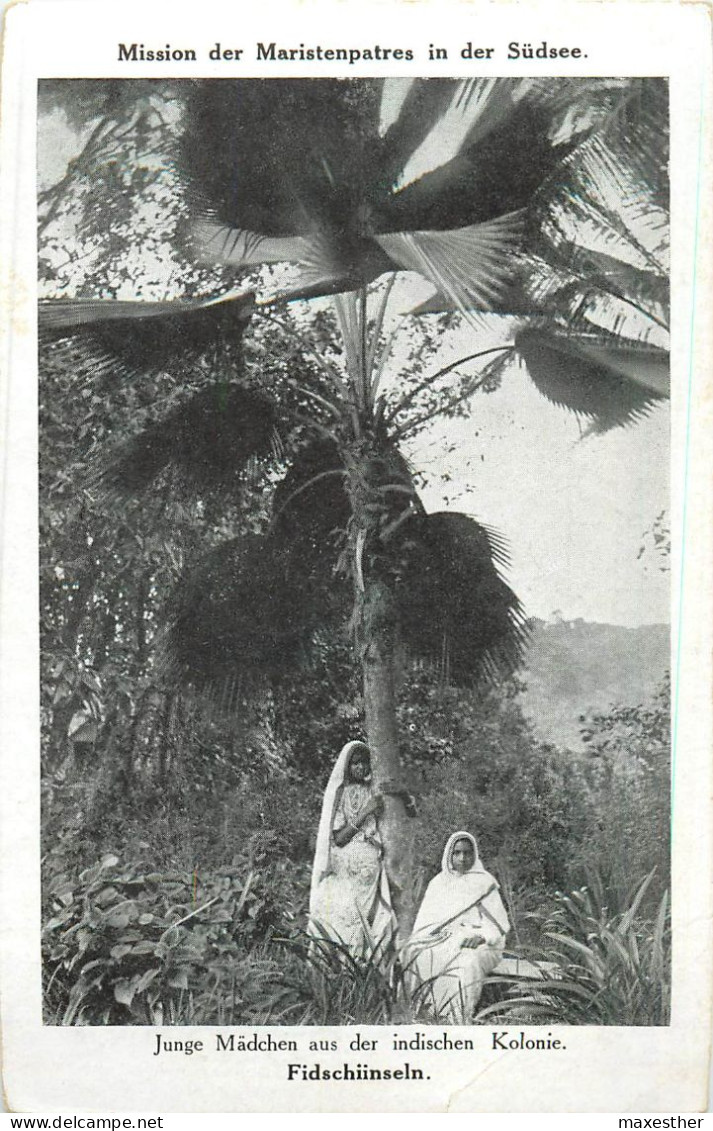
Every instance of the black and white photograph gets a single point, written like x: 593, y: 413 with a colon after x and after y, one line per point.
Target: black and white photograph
x: 355, y: 539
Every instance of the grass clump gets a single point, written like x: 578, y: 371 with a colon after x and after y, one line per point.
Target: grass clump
x: 605, y: 966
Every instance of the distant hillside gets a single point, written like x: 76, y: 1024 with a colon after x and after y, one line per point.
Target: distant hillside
x: 573, y: 666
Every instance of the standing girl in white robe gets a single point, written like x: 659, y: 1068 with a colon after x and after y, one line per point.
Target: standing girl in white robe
x: 350, y: 900
x: 458, y: 936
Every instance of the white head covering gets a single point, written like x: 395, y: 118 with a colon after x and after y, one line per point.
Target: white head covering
x: 451, y: 892
x: 323, y: 847
x: 446, y: 864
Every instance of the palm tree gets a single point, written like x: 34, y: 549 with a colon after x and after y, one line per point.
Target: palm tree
x: 492, y: 190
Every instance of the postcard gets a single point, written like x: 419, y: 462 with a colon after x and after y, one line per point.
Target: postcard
x: 356, y: 603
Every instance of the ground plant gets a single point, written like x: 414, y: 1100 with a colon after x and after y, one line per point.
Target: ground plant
x: 599, y: 966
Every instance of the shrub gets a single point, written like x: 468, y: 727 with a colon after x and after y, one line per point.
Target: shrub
x: 610, y: 967
x: 629, y: 750
x: 128, y: 946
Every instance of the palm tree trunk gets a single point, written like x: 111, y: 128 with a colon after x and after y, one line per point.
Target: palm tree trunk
x: 371, y: 467
x: 379, y: 659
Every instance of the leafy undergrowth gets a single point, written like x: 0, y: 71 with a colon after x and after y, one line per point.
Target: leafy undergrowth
x: 335, y: 986
x: 126, y: 945
x: 607, y: 966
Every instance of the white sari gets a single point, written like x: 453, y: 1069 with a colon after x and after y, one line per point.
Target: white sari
x: 349, y: 897
x: 446, y: 976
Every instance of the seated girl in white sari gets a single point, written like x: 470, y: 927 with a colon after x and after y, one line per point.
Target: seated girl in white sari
x: 349, y: 896
x: 458, y: 935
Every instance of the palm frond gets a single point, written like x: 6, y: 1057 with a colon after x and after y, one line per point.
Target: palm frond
x: 311, y: 506
x: 576, y: 266
x: 210, y: 439
x: 476, y: 107
x: 472, y: 266
x: 319, y: 265
x: 308, y: 167
x: 213, y: 243
x: 494, y: 175
x: 627, y: 278
x: 62, y: 316
x: 253, y: 608
x: 607, y: 382
x: 456, y: 610
x: 649, y: 366
x: 423, y: 107
x: 630, y: 155
x: 587, y: 300
x: 250, y: 611
x: 117, y: 338
x: 342, y: 202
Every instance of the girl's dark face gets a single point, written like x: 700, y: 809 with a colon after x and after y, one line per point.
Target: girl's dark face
x: 462, y: 856
x: 359, y: 766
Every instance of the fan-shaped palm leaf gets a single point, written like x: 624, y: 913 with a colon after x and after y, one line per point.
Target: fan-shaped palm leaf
x: 604, y: 380
x: 135, y: 338
x: 255, y: 606
x: 420, y: 112
x: 311, y: 503
x: 456, y: 610
x: 495, y: 173
x: 250, y: 611
x: 210, y: 439
x: 326, y: 190
x: 473, y: 266
x: 306, y: 165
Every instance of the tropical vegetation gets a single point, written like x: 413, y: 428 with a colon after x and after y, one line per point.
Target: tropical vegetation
x: 238, y: 569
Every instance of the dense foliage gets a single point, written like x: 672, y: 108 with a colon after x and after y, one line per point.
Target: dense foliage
x: 145, y: 922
